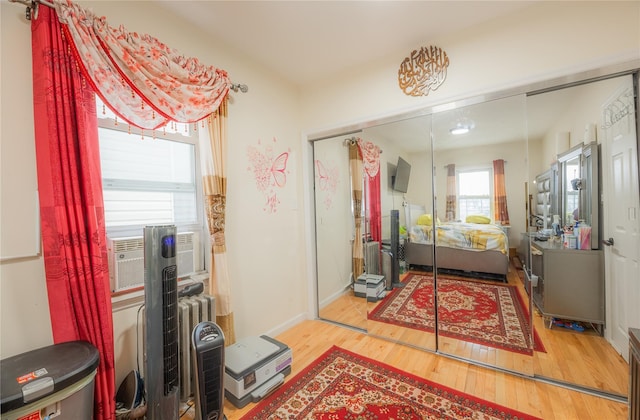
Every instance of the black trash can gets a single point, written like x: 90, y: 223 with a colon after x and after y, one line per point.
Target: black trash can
x: 55, y: 382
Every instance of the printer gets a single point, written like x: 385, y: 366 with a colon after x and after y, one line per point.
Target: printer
x: 255, y: 367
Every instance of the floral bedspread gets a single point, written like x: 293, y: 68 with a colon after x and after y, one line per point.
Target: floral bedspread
x: 472, y: 236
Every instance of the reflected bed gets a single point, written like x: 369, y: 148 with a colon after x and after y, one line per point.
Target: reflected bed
x: 464, y: 248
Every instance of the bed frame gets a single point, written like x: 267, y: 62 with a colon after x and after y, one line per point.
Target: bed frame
x: 485, y: 264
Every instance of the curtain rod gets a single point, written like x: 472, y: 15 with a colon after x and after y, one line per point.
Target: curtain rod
x: 32, y: 12
x: 32, y: 7
x: 354, y: 140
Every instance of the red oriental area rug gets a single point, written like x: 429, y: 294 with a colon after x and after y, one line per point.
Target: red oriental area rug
x: 474, y: 311
x: 343, y: 385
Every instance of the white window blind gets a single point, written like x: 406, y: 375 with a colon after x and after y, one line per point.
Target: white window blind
x: 475, y: 188
x: 148, y: 177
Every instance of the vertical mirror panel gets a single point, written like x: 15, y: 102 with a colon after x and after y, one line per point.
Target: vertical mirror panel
x: 335, y: 235
x: 480, y: 163
x: 405, y: 312
x: 582, y: 145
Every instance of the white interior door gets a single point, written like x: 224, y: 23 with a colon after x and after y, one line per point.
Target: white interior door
x: 621, y: 207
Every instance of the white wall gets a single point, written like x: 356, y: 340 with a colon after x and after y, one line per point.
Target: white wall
x: 584, y: 112
x: 24, y: 308
x: 547, y: 40
x: 269, y: 270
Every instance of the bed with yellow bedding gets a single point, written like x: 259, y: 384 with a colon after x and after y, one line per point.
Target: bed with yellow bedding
x: 477, y: 249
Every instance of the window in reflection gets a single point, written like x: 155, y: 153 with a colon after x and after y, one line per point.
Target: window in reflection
x: 572, y: 191
x: 474, y: 192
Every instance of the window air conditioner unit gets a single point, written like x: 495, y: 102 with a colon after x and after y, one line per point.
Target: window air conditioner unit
x: 126, y: 259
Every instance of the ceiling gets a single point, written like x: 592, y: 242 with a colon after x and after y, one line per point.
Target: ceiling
x: 305, y: 41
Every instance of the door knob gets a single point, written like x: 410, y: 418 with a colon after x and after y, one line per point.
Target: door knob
x: 608, y: 242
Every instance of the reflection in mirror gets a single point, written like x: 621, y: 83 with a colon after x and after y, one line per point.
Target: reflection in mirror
x: 483, y: 308
x: 571, y: 185
x: 335, y: 234
x: 571, y: 344
x: 406, y: 313
x: 566, y: 266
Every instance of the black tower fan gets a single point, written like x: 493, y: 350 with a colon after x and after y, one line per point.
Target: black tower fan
x: 395, y: 248
x: 161, y: 367
x: 207, y: 341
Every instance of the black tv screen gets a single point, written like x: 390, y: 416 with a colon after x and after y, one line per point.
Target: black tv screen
x: 401, y: 179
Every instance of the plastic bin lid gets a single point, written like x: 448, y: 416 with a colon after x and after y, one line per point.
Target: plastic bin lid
x: 30, y: 376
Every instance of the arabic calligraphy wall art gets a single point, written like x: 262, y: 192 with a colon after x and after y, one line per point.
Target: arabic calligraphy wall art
x: 423, y: 71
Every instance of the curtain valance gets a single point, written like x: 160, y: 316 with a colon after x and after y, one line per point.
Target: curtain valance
x: 143, y: 80
x: 370, y: 157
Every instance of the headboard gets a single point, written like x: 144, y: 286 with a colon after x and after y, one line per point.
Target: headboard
x: 412, y: 212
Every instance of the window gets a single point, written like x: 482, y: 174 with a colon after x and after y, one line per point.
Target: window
x: 148, y: 177
x: 475, y: 189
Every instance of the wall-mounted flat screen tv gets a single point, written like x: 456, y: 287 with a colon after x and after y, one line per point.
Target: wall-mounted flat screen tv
x: 401, y: 179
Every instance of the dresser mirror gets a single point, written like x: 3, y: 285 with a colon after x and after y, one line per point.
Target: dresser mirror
x: 521, y: 129
x: 572, y: 185
x: 580, y: 187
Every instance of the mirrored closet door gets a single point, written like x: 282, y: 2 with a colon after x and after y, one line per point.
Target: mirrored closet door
x: 570, y: 131
x: 335, y: 234
x: 406, y: 311
x: 525, y: 287
x: 480, y: 163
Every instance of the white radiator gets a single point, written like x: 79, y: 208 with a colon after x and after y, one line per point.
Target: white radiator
x: 191, y: 311
x: 372, y: 257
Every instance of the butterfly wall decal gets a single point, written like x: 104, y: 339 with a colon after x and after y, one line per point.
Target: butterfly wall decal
x: 278, y: 168
x: 270, y: 173
x: 327, y: 181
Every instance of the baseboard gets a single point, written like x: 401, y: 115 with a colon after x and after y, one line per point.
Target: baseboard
x: 336, y: 295
x: 279, y: 329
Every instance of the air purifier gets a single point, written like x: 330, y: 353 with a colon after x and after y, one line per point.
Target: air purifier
x: 207, y: 342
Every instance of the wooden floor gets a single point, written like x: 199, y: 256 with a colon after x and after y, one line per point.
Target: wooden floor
x: 309, y: 339
x: 583, y: 358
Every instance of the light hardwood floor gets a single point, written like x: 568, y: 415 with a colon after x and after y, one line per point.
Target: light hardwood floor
x: 309, y: 339
x: 583, y: 358
x: 599, y: 366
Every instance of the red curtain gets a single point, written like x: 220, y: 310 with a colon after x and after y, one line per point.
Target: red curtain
x: 373, y: 207
x: 71, y: 204
x: 370, y: 154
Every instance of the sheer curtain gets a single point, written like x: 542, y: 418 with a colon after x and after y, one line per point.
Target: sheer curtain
x: 213, y: 151
x: 355, y: 166
x: 501, y: 213
x: 450, y: 211
x: 71, y: 207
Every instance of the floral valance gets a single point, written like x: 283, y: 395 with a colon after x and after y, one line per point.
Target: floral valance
x: 370, y: 157
x: 143, y: 80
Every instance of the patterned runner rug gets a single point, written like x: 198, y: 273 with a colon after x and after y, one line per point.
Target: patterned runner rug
x: 474, y: 311
x: 343, y: 385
